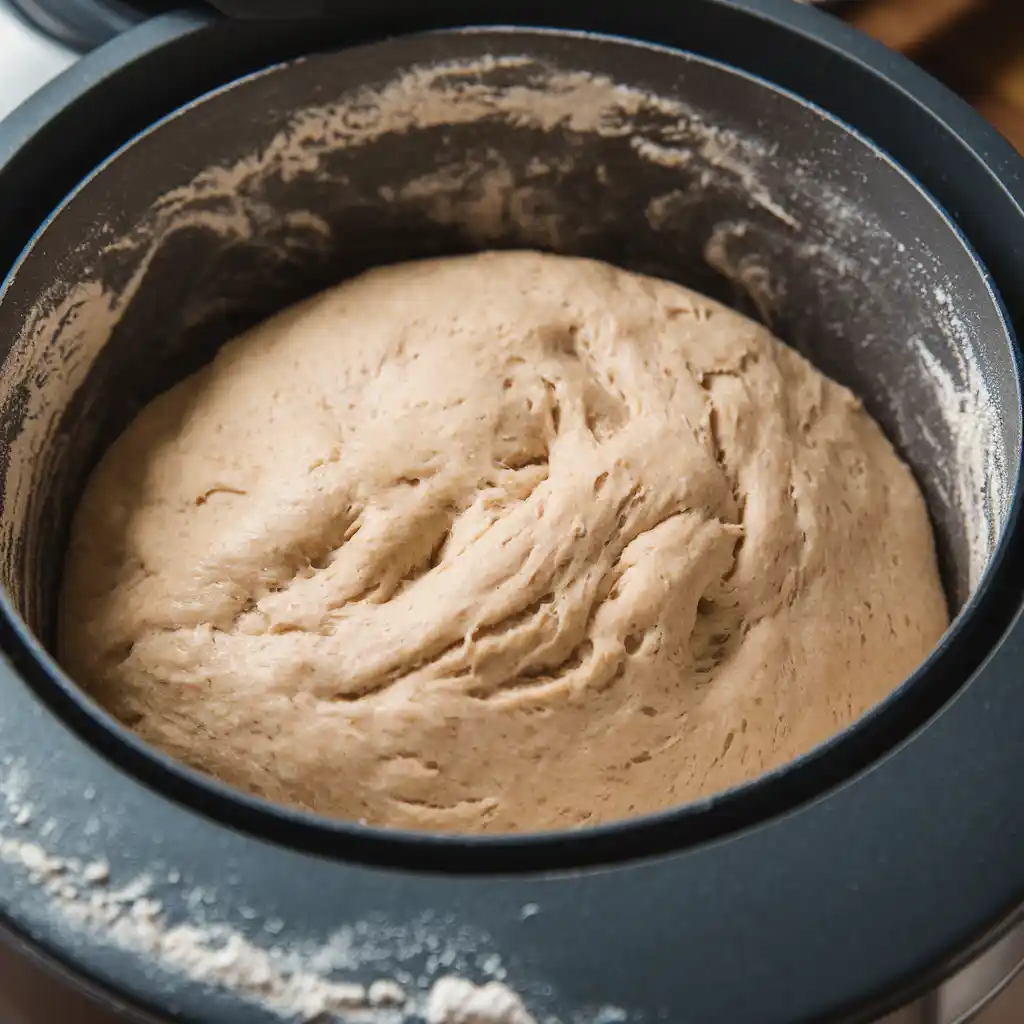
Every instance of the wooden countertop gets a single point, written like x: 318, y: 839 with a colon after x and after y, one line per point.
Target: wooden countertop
x: 975, y: 46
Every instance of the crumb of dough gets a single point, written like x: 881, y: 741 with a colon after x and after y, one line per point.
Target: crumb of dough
x: 499, y: 543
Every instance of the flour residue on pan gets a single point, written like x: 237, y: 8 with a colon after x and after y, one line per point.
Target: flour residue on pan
x: 451, y: 93
x: 303, y: 983
x: 975, y: 471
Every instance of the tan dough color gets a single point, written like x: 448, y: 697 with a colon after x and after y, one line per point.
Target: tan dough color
x: 499, y: 543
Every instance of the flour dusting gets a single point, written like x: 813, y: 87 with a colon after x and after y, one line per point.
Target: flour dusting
x: 297, y: 983
x: 454, y: 1000
x: 975, y: 471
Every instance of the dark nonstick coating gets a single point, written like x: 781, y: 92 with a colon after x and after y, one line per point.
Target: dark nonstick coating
x: 659, y: 937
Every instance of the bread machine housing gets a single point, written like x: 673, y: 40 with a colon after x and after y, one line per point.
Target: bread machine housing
x: 193, y: 175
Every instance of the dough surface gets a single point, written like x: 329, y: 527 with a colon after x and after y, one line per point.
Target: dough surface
x: 499, y: 543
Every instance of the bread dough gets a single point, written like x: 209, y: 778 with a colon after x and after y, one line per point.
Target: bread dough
x: 499, y: 543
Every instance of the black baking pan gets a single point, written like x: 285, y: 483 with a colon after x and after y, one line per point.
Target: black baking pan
x: 833, y: 890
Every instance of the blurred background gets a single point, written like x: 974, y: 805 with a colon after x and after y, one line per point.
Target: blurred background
x: 976, y: 47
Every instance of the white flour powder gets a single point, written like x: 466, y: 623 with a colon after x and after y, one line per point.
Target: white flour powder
x: 976, y: 472
x: 292, y: 983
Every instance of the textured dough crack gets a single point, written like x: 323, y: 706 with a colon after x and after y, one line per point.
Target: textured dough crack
x: 499, y: 543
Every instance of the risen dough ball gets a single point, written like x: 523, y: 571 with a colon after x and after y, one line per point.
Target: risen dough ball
x: 499, y: 543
